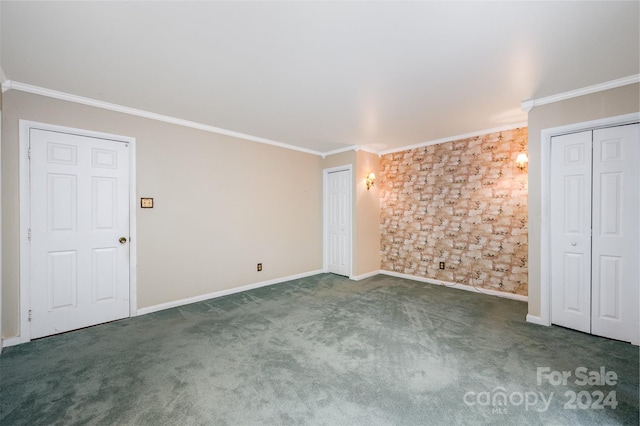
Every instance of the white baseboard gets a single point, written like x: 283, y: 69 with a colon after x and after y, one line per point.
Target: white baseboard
x: 464, y: 287
x: 363, y: 276
x: 536, y: 320
x: 11, y: 341
x: 181, y: 302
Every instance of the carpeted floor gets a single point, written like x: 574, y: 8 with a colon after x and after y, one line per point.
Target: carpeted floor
x: 323, y: 350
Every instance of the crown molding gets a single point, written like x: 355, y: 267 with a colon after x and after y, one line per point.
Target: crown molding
x: 526, y: 106
x: 529, y: 104
x: 369, y: 150
x: 14, y: 85
x: 340, y: 150
x: 456, y: 138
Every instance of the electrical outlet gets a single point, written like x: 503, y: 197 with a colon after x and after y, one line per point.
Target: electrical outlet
x: 259, y: 267
x: 441, y: 265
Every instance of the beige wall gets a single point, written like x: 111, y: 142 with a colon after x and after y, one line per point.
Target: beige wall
x: 347, y: 158
x: 463, y: 203
x: 367, y: 212
x: 221, y: 205
x: 609, y: 103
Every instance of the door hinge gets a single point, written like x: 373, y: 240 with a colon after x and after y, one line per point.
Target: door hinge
x: 30, y: 314
x: 29, y: 234
x: 29, y: 153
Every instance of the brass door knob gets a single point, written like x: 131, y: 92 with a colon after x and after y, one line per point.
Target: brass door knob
x: 122, y: 240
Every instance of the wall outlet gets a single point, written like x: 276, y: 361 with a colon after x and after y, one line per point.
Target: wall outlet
x: 441, y: 265
x: 259, y: 267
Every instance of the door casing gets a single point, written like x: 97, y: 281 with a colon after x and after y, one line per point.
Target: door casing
x: 25, y: 222
x: 545, y: 192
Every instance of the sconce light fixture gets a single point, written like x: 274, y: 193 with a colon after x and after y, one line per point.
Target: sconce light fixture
x: 370, y: 180
x: 522, y: 160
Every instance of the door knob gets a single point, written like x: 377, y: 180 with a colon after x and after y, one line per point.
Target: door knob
x: 573, y: 244
x: 122, y: 240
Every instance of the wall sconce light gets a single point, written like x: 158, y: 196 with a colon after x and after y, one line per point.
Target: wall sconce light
x: 370, y: 180
x: 522, y: 160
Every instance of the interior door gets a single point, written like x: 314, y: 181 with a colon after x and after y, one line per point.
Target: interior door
x: 571, y: 231
x: 79, y: 197
x: 616, y: 239
x: 339, y: 222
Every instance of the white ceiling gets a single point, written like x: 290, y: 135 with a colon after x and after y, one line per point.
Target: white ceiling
x: 323, y: 75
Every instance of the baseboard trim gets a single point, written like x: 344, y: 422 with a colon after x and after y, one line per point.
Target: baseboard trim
x: 533, y: 319
x: 457, y: 286
x: 363, y: 276
x: 216, y: 294
x: 11, y: 341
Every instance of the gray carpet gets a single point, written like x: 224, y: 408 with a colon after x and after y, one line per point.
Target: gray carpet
x: 320, y: 350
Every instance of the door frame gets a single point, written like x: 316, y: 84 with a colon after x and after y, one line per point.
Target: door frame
x: 325, y: 215
x: 545, y: 189
x: 25, y: 217
x: 1, y: 339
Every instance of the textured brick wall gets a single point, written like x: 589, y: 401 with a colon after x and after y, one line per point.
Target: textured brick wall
x: 462, y: 202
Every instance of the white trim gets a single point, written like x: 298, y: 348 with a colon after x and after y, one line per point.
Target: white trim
x: 370, y: 151
x: 12, y: 341
x: 133, y: 228
x: 325, y: 215
x: 536, y: 320
x: 340, y: 150
x: 365, y: 149
x: 25, y: 220
x: 355, y: 148
x: 530, y: 103
x: 525, y: 105
x: 457, y: 286
x: 1, y: 340
x: 216, y: 294
x: 363, y: 276
x: 545, y: 198
x: 14, y: 85
x: 456, y: 138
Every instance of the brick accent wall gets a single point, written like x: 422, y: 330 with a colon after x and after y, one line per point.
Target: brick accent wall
x: 461, y: 202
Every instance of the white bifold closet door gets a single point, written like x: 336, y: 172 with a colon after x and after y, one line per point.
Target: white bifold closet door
x: 595, y: 239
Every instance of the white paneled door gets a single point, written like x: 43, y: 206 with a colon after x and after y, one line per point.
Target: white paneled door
x: 616, y: 239
x: 339, y: 222
x: 571, y: 231
x: 595, y: 238
x: 79, y: 193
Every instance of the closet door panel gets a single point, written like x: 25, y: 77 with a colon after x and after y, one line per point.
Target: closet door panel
x: 616, y: 240
x: 571, y: 231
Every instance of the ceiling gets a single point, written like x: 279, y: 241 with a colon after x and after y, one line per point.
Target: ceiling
x: 322, y: 76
